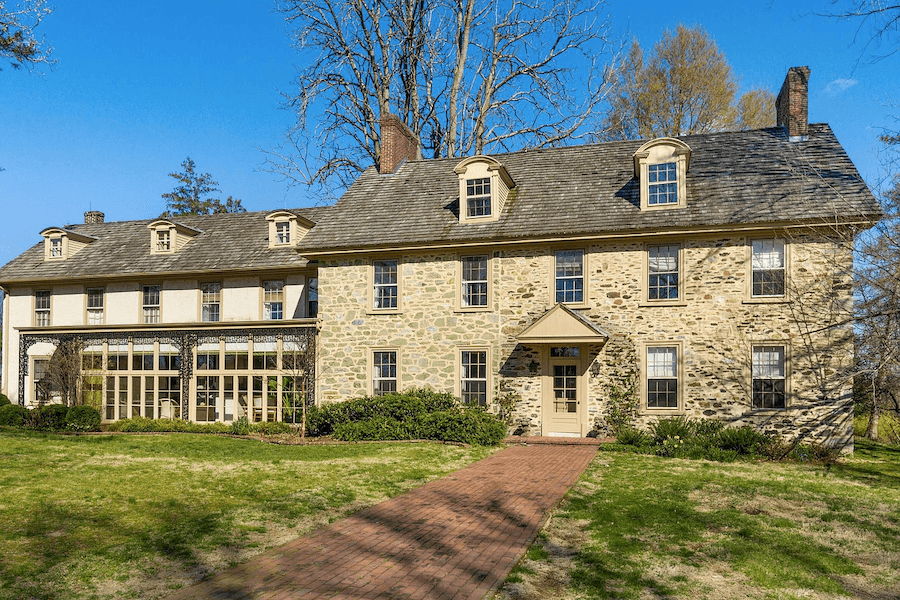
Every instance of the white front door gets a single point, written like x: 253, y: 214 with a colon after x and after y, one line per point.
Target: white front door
x: 564, y: 400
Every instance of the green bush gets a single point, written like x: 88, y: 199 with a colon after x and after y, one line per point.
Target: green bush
x: 468, y: 425
x: 143, y: 424
x: 271, y: 428
x: 632, y: 437
x: 51, y: 417
x: 400, y: 407
x: 744, y: 440
x: 4, y: 400
x: 376, y: 428
x: 672, y: 428
x: 12, y: 415
x: 83, y: 418
x: 241, y: 426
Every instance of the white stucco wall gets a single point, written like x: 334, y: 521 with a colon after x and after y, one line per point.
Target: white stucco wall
x: 180, y: 301
x: 240, y: 299
x: 122, y: 303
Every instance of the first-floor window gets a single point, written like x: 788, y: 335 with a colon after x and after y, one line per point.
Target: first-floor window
x: 570, y: 276
x: 768, y: 377
x: 151, y: 303
x: 95, y: 306
x: 273, y: 300
x: 42, y: 308
x: 662, y: 377
x: 384, y: 372
x: 473, y: 377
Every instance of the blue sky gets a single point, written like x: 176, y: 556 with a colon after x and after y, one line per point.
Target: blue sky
x: 140, y: 86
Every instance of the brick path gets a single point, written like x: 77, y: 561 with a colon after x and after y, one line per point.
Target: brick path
x: 453, y: 538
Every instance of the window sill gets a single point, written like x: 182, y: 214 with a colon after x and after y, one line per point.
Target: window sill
x: 387, y: 311
x: 474, y: 309
x: 766, y: 300
x: 670, y: 303
x: 572, y: 305
x: 663, y: 411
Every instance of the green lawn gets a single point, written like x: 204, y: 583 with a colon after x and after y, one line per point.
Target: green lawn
x: 640, y: 527
x: 136, y: 516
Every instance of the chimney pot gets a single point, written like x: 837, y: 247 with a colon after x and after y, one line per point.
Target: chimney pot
x: 398, y: 143
x: 792, y: 105
x: 93, y: 216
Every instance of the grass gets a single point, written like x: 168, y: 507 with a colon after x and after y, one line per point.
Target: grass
x: 888, y: 427
x: 137, y: 516
x: 638, y: 526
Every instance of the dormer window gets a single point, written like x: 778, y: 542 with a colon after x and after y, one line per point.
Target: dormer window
x: 56, y: 247
x: 286, y: 228
x: 60, y: 244
x: 484, y: 186
x: 167, y: 236
x: 661, y: 166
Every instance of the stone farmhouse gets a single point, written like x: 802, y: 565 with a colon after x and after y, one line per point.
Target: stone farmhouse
x: 711, y: 274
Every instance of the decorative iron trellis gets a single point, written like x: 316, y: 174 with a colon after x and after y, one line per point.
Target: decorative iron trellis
x: 185, y: 340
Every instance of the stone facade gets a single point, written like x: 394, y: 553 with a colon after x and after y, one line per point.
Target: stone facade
x: 714, y: 324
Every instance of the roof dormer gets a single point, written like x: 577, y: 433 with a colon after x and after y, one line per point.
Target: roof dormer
x: 484, y: 185
x: 168, y: 237
x: 286, y: 228
x: 60, y: 244
x: 661, y: 167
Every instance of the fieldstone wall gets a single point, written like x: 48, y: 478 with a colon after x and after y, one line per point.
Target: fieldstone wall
x: 715, y: 324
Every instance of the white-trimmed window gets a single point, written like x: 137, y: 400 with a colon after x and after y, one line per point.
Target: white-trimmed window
x: 473, y: 383
x: 282, y: 232
x: 163, y: 240
x: 661, y: 166
x: 474, y: 281
x: 478, y: 197
x: 42, y: 308
x: 767, y: 265
x: 385, y: 287
x: 94, y: 306
x: 384, y: 372
x: 273, y: 300
x: 662, y: 377
x: 56, y: 247
x: 569, y: 269
x: 662, y: 184
x: 150, y: 303
x: 769, y: 377
x: 663, y: 272
x: 210, y: 301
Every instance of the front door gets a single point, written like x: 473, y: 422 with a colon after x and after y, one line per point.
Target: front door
x: 564, y: 394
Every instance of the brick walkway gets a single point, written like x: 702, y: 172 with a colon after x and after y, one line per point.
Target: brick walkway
x: 453, y: 538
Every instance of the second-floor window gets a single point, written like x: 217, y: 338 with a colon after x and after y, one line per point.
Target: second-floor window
x: 767, y: 264
x: 150, y: 306
x: 42, y: 308
x: 163, y: 241
x: 385, y: 284
x: 312, y: 297
x: 478, y: 197
x: 273, y: 300
x: 570, y: 276
x: 95, y: 306
x: 474, y: 281
x: 662, y: 262
x: 210, y: 301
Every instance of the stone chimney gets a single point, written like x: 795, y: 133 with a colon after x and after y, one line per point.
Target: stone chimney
x: 93, y: 216
x: 792, y: 105
x: 398, y: 143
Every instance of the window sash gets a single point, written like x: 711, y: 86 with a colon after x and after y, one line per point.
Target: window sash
x: 478, y: 197
x: 283, y: 233
x: 570, y: 276
x: 312, y: 297
x: 56, y: 248
x: 210, y: 301
x: 767, y: 262
x: 163, y: 241
x: 662, y: 377
x: 42, y: 308
x: 385, y: 284
x: 474, y: 281
x: 473, y: 377
x: 273, y: 300
x: 662, y: 184
x: 769, y: 377
x: 384, y: 372
x: 662, y: 263
x: 151, y: 302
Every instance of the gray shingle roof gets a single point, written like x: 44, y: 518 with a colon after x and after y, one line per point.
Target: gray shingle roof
x: 227, y: 242
x: 735, y: 177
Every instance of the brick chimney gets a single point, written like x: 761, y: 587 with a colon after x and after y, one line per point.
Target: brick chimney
x: 398, y: 143
x: 93, y: 216
x: 792, y: 105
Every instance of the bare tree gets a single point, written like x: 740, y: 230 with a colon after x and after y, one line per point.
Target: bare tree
x: 685, y: 86
x: 298, y: 360
x: 878, y: 24
x: 464, y: 75
x: 63, y: 376
x: 18, y: 44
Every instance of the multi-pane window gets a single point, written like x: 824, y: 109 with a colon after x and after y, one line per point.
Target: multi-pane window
x: 117, y: 357
x: 662, y: 262
x: 94, y: 306
x: 474, y: 281
x: 662, y: 377
x: 163, y: 240
x: 43, y: 391
x: 570, y: 276
x: 312, y: 297
x: 42, y: 308
x: 150, y: 303
x: 768, y: 377
x: 478, y: 197
x: 142, y: 357
x: 273, y: 300
x: 283, y: 232
x: 565, y: 388
x: 662, y: 184
x: 767, y: 263
x: 473, y: 377
x: 56, y: 248
x: 210, y: 301
x: 384, y: 372
x: 385, y: 284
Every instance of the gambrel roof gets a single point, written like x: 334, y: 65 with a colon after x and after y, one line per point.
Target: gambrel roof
x: 747, y: 177
x: 224, y: 242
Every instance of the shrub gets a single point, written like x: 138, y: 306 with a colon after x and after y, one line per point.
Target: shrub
x: 468, y: 425
x: 743, y: 440
x: 376, y: 428
x: 400, y: 407
x: 12, y: 415
x: 143, y: 424
x: 271, y: 427
x: 51, y: 417
x: 4, y: 400
x: 675, y: 427
x: 708, y: 428
x: 632, y: 437
x: 241, y: 426
x: 83, y: 418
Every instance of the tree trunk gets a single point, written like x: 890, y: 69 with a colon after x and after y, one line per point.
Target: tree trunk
x: 872, y: 428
